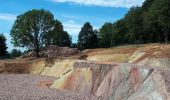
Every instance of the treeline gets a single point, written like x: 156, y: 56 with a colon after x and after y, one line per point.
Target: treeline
x: 149, y: 23
x: 3, y: 50
x: 3, y: 47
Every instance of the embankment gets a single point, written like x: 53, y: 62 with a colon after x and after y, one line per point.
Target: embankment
x: 116, y: 81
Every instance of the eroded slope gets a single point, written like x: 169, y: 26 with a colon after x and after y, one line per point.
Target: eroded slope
x: 122, y: 73
x: 116, y: 81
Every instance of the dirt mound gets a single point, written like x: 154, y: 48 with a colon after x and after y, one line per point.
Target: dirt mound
x: 156, y: 55
x: 152, y: 51
x: 53, y: 51
x: 152, y: 55
x: 110, y: 55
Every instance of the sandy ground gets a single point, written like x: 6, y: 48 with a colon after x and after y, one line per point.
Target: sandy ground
x: 24, y: 87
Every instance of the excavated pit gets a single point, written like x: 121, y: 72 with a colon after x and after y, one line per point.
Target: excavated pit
x: 116, y: 81
x: 139, y: 73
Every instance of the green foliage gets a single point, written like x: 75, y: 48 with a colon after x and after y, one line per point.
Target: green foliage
x: 73, y: 45
x: 106, y: 35
x: 147, y: 24
x: 160, y: 13
x: 58, y: 36
x: 15, y: 53
x: 30, y: 28
x: 146, y: 5
x: 87, y: 38
x: 134, y: 25
x: 120, y: 37
x: 37, y: 28
x: 3, y: 47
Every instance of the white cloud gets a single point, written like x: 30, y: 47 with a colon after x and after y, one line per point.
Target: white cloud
x: 7, y: 17
x: 72, y: 27
x: 105, y: 3
x: 9, y: 44
x: 70, y: 16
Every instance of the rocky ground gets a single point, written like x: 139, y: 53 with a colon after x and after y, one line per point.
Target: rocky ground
x: 138, y: 72
x: 26, y: 87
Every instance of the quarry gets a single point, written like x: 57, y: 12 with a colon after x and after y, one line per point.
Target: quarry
x: 132, y: 72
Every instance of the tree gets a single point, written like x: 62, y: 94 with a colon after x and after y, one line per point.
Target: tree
x: 74, y: 45
x: 58, y: 36
x: 147, y: 24
x: 152, y: 30
x: 134, y: 21
x: 30, y: 29
x: 120, y: 33
x: 3, y: 47
x: 87, y: 38
x: 160, y: 12
x: 106, y: 35
x: 146, y: 5
x: 95, y: 40
x: 16, y: 53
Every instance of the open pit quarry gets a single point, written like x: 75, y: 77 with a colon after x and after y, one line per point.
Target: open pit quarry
x: 140, y: 72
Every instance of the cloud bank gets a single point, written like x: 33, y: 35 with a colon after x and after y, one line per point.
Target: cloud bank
x: 72, y: 27
x: 7, y: 17
x: 104, y: 3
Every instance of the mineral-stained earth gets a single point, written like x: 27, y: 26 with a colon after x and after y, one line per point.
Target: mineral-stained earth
x: 138, y: 72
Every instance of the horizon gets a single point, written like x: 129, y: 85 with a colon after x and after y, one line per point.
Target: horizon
x: 73, y: 14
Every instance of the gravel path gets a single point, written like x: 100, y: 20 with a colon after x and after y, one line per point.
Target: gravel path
x: 24, y: 87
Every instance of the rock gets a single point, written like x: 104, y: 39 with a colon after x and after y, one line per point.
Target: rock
x: 53, y: 51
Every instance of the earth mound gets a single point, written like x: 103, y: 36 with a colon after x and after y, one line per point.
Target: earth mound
x: 53, y: 51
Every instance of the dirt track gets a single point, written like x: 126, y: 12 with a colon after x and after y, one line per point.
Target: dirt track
x: 24, y: 87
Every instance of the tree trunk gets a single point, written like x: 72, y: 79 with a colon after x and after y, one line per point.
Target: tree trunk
x: 166, y: 40
x: 166, y: 37
x: 37, y: 51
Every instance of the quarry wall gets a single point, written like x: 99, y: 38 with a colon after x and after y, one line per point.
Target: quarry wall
x: 116, y: 81
x: 145, y: 76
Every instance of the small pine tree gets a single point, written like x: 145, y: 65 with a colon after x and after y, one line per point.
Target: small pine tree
x: 3, y: 47
x: 105, y: 35
x: 16, y: 53
x: 58, y: 36
x: 87, y: 38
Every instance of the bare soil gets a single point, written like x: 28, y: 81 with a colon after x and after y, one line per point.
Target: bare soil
x: 24, y: 87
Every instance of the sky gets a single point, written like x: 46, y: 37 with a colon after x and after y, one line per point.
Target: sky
x: 72, y: 13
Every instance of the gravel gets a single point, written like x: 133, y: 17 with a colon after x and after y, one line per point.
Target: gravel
x: 24, y: 87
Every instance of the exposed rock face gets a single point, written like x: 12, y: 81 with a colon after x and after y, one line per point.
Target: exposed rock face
x: 116, y: 81
x: 58, y: 69
x: 106, y: 81
x: 22, y: 67
x: 140, y: 73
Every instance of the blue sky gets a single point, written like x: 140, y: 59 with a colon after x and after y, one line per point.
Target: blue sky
x: 72, y: 13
